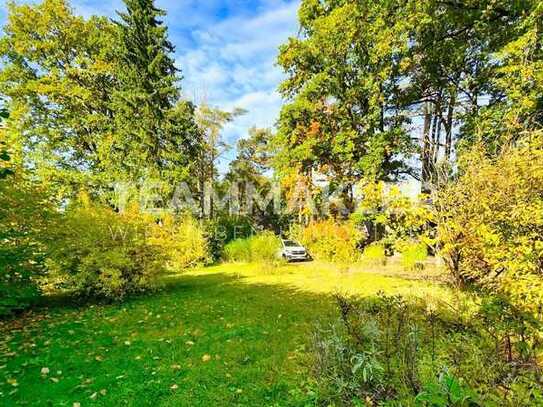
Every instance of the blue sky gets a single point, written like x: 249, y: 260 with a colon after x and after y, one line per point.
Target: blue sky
x: 226, y: 50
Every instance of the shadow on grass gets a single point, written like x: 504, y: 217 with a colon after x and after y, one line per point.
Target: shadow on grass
x: 235, y: 343
x: 218, y: 338
x: 183, y: 287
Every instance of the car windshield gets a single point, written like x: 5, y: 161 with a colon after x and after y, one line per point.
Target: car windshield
x: 290, y: 243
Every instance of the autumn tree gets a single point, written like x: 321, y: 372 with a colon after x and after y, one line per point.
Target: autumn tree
x: 369, y: 81
x: 58, y: 77
x: 516, y: 109
x: 451, y: 71
x: 339, y: 119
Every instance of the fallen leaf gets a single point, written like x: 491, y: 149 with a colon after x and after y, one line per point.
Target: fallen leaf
x: 44, y: 370
x: 93, y: 396
x: 174, y: 387
x: 176, y: 367
x: 206, y: 358
x: 103, y: 392
x: 76, y: 404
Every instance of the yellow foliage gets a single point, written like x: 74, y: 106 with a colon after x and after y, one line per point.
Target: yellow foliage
x: 182, y: 241
x: 399, y: 218
x: 96, y: 251
x: 331, y: 241
x: 491, y: 223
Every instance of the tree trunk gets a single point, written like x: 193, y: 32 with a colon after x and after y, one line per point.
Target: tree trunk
x: 435, y: 142
x: 449, y: 126
x: 426, y: 149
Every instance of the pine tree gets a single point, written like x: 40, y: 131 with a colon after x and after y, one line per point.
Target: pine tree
x: 152, y: 137
x: 147, y: 52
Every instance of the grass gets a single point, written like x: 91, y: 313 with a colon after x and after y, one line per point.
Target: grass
x: 233, y: 334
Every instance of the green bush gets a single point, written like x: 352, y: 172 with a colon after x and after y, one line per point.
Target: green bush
x: 446, y: 391
x: 238, y: 250
x: 262, y: 247
x: 97, y: 252
x: 224, y: 229
x: 393, y: 351
x: 328, y: 240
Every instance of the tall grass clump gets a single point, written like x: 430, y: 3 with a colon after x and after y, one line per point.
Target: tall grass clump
x: 413, y: 255
x: 262, y: 247
x: 375, y: 254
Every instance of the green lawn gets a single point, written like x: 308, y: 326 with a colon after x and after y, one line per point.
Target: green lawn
x: 223, y: 335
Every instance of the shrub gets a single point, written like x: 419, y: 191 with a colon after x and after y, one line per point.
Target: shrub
x: 491, y: 223
x: 97, y: 252
x: 262, y: 247
x: 375, y: 253
x: 182, y: 241
x: 395, y: 351
x: 224, y: 229
x: 347, y: 371
x: 391, y: 217
x: 446, y: 391
x: 413, y: 254
x: 238, y: 250
x: 330, y: 241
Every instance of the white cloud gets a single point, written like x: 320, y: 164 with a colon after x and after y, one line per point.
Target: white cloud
x: 233, y: 65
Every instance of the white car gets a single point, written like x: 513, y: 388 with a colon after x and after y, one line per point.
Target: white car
x: 292, y: 250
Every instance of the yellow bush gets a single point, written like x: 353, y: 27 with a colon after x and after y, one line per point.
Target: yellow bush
x: 375, y: 253
x: 331, y: 241
x: 392, y: 217
x: 25, y: 217
x: 491, y: 223
x: 413, y: 254
x: 98, y: 252
x: 182, y: 241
